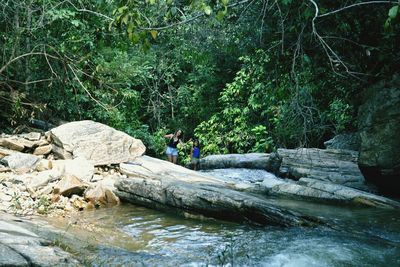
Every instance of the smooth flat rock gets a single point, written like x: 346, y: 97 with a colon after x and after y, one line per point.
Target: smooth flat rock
x: 162, y: 185
x: 99, y: 143
x: 316, y: 190
x: 21, y: 247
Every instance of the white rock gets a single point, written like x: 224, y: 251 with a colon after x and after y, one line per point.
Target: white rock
x: 97, y: 142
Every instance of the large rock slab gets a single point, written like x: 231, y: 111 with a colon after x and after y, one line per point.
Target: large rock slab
x: 249, y: 161
x: 311, y: 189
x: 379, y: 127
x: 97, y: 142
x: 21, y: 247
x: 336, y: 166
x: 159, y: 184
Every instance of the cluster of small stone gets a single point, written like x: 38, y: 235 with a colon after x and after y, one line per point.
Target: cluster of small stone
x: 33, y: 181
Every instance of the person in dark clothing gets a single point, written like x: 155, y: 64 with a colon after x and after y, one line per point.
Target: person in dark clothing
x: 172, y: 150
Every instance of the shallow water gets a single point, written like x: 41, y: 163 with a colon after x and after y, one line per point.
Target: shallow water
x: 128, y: 235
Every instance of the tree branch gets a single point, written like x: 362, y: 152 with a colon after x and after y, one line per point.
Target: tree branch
x: 26, y: 55
x: 357, y: 4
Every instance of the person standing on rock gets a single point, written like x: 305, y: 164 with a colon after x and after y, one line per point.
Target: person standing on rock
x: 172, y: 150
x: 195, y: 154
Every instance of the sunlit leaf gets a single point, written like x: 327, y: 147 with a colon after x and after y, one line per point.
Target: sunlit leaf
x: 154, y: 34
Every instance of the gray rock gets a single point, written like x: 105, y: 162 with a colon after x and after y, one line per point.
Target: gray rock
x: 249, y: 161
x: 331, y: 165
x: 311, y: 189
x: 379, y: 127
x: 8, y: 257
x: 344, y: 141
x: 21, y: 247
x: 21, y: 162
x: 97, y: 142
x: 40, y: 179
x: 159, y: 184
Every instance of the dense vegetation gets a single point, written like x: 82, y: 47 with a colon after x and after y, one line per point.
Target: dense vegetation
x: 240, y: 75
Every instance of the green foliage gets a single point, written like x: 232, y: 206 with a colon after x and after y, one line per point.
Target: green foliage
x: 240, y: 76
x: 339, y: 114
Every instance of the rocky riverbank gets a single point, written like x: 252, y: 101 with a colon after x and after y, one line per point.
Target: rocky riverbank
x: 39, y: 176
x: 86, y: 165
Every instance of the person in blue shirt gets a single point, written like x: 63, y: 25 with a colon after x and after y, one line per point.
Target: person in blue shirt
x: 172, y: 150
x: 195, y: 155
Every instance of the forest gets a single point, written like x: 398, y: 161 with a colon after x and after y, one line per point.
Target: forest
x: 242, y: 76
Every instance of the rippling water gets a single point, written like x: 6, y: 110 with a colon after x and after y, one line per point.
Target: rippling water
x: 136, y: 236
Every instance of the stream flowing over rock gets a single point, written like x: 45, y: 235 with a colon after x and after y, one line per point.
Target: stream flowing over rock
x: 159, y: 184
x: 379, y: 128
x: 337, y: 166
x: 99, y: 143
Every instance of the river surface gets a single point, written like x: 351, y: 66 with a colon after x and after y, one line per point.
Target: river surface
x: 129, y: 235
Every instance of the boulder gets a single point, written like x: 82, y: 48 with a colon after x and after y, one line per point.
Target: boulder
x: 99, y: 143
x: 21, y: 162
x: 344, y: 141
x: 159, y: 184
x: 101, y: 194
x: 336, y: 166
x: 379, y: 127
x: 69, y: 185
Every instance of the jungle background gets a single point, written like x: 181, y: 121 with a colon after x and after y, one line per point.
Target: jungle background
x: 242, y: 76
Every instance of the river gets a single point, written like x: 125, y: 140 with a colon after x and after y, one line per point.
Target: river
x: 129, y: 235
